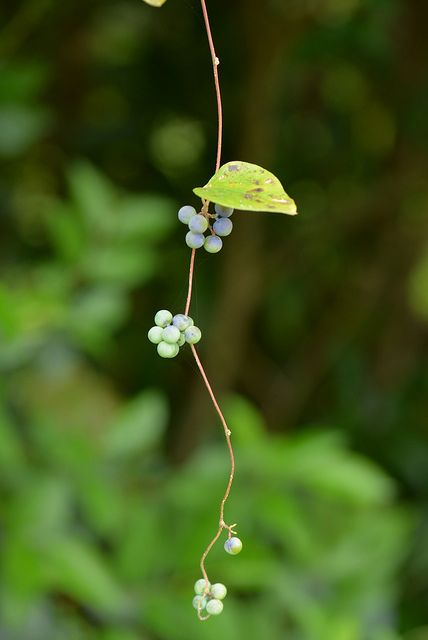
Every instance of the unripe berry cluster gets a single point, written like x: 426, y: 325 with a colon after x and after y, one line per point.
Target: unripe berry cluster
x: 172, y: 332
x: 198, y: 224
x: 208, y: 598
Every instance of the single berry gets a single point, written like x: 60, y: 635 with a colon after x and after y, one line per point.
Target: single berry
x: 192, y: 335
x: 181, y: 340
x: 155, y: 335
x: 198, y: 224
x: 233, y: 546
x: 194, y: 240
x: 213, y: 244
x: 214, y: 607
x: 223, y: 212
x: 223, y: 226
x: 181, y: 321
x: 199, y: 602
x: 171, y: 334
x: 200, y: 586
x: 186, y: 213
x: 218, y: 591
x: 163, y: 318
x: 167, y: 350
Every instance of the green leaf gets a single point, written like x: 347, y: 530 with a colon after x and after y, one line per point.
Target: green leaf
x: 246, y: 186
x: 155, y: 3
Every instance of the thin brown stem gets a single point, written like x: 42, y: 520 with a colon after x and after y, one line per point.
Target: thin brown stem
x: 190, y: 287
x: 226, y: 429
x: 215, y: 62
x: 221, y: 525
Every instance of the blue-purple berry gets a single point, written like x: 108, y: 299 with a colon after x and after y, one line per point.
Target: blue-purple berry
x: 198, y: 224
x: 194, y: 240
x: 181, y: 321
x: 223, y: 226
x: 233, y: 546
x: 186, y: 213
x: 192, y: 335
x: 223, y: 212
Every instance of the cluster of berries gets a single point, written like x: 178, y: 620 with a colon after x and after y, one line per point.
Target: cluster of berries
x: 172, y: 332
x: 208, y: 598
x: 209, y: 602
x: 198, y: 223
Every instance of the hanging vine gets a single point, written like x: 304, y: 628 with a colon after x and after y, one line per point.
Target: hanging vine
x: 235, y: 185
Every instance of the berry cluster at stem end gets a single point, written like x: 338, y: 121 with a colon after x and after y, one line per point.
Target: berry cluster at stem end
x: 208, y: 598
x: 172, y: 332
x: 199, y: 223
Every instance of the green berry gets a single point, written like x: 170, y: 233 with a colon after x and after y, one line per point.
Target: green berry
x: 155, y: 335
x: 214, y: 607
x: 181, y: 340
x: 192, y: 335
x: 213, y: 244
x: 218, y: 591
x: 199, y: 602
x: 200, y: 586
x: 167, y: 350
x: 233, y: 546
x: 163, y: 318
x: 171, y: 334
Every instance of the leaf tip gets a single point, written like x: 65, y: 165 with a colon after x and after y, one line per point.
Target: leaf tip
x: 155, y: 3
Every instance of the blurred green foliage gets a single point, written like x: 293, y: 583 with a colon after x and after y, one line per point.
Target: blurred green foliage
x: 111, y: 461
x: 99, y: 529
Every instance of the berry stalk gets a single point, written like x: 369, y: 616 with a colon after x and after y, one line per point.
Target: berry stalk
x: 212, y: 249
x: 215, y: 62
x: 227, y: 434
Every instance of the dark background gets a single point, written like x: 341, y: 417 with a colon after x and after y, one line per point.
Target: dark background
x: 314, y: 327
